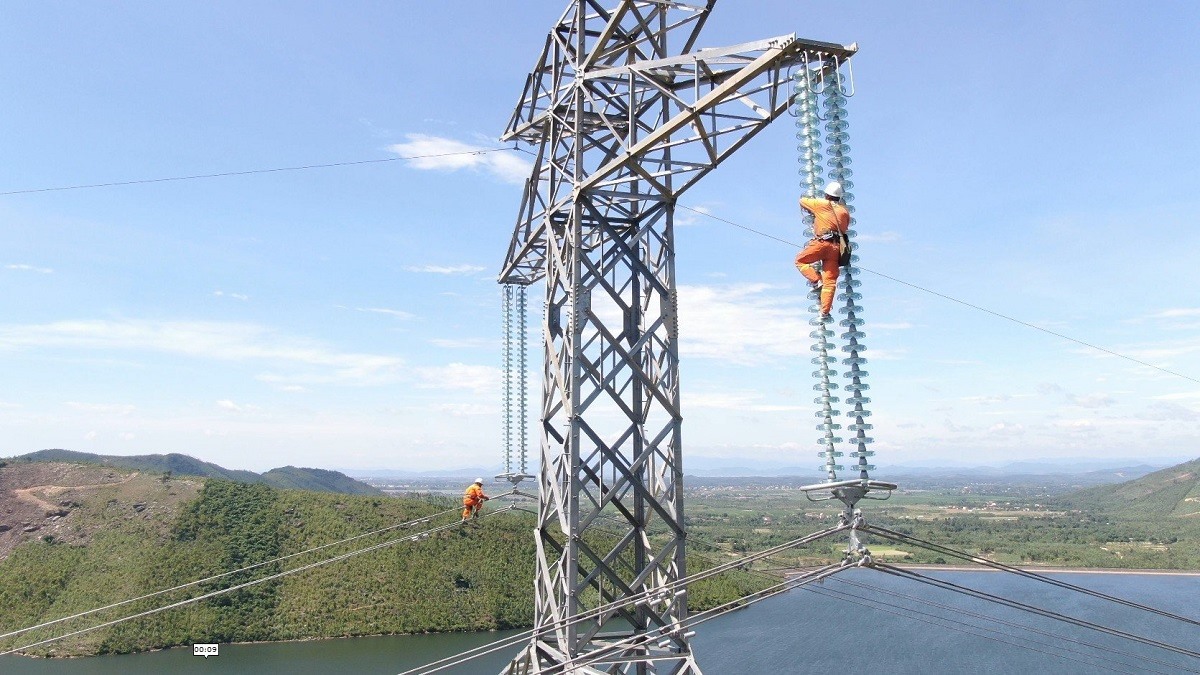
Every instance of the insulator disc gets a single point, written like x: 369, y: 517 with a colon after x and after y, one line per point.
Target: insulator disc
x: 860, y: 427
x: 823, y: 426
x: 822, y: 386
x: 832, y: 412
x: 860, y: 373
x: 836, y: 467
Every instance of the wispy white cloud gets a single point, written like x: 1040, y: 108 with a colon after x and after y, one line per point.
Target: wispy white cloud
x: 227, y: 405
x: 20, y: 267
x: 989, y: 400
x: 691, y: 215
x: 122, y: 409
x: 744, y: 401
x: 222, y: 341
x: 462, y: 343
x: 1179, y: 396
x: 399, y: 314
x: 484, y: 380
x: 1177, y: 313
x: 235, y: 296
x: 445, y: 269
x: 1092, y: 401
x: 466, y: 409
x: 744, y: 323
x: 446, y: 154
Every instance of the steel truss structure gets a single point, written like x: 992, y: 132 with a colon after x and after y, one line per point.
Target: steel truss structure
x: 623, y: 114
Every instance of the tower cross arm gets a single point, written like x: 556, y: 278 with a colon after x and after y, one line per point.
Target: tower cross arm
x: 776, y: 54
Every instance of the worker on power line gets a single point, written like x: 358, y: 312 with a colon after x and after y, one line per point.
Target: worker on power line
x: 831, y: 220
x: 473, y: 500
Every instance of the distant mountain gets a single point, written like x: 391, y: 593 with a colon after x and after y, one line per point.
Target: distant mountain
x: 288, y: 477
x: 435, y: 473
x: 320, y: 480
x: 1174, y: 491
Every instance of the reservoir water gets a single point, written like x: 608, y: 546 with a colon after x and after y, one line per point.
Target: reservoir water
x: 858, y: 621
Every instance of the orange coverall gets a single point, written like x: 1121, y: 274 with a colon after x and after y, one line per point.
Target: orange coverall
x: 829, y: 216
x: 473, y: 500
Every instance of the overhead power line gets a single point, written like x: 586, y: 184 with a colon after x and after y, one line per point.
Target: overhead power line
x: 249, y: 172
x: 701, y: 212
x: 961, y: 302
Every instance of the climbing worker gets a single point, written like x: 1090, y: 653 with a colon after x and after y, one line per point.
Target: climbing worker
x: 831, y: 221
x: 473, y: 500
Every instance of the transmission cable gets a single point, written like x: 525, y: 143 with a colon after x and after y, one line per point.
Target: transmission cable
x: 600, y: 654
x: 249, y: 172
x: 961, y: 302
x: 938, y: 548
x: 343, y: 556
x: 938, y: 621
x: 957, y: 610
x: 514, y: 640
x: 982, y: 595
x: 994, y: 619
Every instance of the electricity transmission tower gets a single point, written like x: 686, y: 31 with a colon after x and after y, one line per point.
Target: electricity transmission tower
x: 623, y: 114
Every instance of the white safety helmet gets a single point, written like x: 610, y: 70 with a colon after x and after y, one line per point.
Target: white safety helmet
x: 479, y: 481
x: 834, y: 190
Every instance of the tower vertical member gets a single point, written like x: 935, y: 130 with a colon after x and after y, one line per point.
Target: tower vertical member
x: 831, y: 221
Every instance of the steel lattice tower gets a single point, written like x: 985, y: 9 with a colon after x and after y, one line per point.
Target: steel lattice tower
x: 623, y: 115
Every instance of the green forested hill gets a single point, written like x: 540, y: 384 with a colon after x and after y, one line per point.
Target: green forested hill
x: 135, y: 534
x: 184, y: 465
x: 1171, y: 492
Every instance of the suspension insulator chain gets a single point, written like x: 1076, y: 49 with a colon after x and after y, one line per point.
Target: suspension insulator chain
x: 522, y: 382
x: 825, y: 400
x: 837, y: 139
x: 807, y: 85
x: 507, y: 378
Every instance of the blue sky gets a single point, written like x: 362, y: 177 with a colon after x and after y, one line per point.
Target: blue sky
x: 1037, y: 159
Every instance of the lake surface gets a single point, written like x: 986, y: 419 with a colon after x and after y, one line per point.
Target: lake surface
x: 859, y: 621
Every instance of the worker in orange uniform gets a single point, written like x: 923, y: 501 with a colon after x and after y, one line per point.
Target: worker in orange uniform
x: 831, y: 221
x: 473, y: 500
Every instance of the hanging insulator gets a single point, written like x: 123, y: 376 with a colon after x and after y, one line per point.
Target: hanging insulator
x: 522, y: 381
x: 507, y: 378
